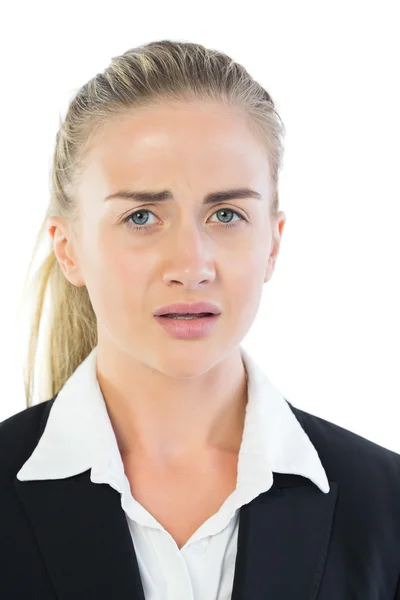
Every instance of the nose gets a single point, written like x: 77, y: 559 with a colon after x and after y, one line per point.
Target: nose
x: 190, y: 258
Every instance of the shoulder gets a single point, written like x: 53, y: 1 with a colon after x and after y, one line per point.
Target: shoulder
x: 348, y: 457
x: 19, y: 435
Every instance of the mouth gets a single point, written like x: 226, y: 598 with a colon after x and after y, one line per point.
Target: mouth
x: 187, y: 316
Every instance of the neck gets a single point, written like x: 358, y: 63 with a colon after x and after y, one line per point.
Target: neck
x: 169, y: 419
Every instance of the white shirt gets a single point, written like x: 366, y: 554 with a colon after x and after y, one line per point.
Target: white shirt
x: 79, y: 436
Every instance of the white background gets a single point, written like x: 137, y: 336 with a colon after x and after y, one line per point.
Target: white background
x: 328, y: 329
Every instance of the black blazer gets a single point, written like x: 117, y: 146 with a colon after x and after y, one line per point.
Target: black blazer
x: 68, y: 539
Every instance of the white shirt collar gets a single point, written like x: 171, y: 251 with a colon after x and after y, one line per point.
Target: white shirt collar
x: 79, y: 435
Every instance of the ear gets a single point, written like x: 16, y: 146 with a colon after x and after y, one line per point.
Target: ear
x: 64, y: 247
x: 277, y: 230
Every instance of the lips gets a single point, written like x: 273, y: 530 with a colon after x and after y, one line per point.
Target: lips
x: 187, y: 315
x: 186, y: 308
x: 190, y: 326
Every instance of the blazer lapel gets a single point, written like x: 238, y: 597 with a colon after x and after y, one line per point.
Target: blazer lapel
x: 84, y: 538
x: 85, y: 541
x: 283, y: 541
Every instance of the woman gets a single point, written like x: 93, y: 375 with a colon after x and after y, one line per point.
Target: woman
x: 165, y: 465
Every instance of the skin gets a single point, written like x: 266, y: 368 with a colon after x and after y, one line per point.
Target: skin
x: 173, y: 402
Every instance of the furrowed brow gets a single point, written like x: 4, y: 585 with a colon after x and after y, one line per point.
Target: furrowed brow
x: 166, y: 195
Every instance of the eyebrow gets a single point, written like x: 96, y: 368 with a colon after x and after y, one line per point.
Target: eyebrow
x: 165, y: 195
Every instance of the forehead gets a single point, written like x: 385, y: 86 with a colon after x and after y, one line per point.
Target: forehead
x: 179, y: 139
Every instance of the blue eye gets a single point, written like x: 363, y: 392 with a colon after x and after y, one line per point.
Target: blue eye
x: 142, y: 210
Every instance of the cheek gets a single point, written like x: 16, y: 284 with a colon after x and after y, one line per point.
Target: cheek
x: 249, y: 286
x: 124, y: 275
x: 114, y: 276
x: 128, y: 268
x: 246, y: 281
x: 116, y: 261
x: 247, y: 271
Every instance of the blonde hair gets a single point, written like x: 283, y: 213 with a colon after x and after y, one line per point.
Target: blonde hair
x: 143, y: 76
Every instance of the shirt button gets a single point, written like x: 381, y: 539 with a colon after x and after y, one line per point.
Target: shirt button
x: 200, y: 546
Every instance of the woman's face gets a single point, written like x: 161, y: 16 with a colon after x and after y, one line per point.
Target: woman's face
x: 178, y: 250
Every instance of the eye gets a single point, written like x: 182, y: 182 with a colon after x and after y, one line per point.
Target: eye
x: 145, y: 226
